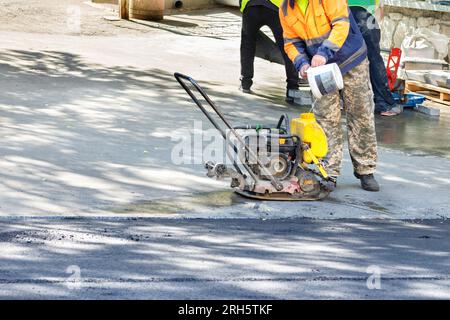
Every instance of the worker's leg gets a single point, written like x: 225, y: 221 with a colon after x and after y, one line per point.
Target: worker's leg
x: 383, y: 98
x: 370, y: 30
x: 328, y: 113
x: 251, y: 23
x: 273, y: 22
x: 359, y: 105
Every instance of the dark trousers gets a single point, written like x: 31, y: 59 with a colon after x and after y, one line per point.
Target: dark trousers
x: 372, y: 35
x: 254, y: 17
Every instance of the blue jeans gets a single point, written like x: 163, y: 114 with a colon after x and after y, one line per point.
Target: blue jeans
x: 383, y: 98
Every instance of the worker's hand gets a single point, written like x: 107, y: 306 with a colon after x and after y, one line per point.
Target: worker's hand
x: 303, y: 70
x: 318, y: 60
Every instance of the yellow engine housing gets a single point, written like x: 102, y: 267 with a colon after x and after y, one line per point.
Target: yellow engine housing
x: 311, y: 133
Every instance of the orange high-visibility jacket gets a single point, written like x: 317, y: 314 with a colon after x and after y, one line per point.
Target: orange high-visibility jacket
x: 327, y: 29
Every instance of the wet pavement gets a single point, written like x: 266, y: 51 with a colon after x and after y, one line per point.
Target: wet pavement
x: 416, y: 133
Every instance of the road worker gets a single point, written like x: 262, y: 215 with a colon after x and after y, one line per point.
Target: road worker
x: 317, y: 32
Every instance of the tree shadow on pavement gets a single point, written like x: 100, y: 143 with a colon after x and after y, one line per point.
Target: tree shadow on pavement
x: 224, y: 259
x: 78, y: 137
x: 87, y: 138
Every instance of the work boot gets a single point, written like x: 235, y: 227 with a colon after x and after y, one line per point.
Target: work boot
x: 368, y: 182
x: 246, y: 84
x: 245, y: 89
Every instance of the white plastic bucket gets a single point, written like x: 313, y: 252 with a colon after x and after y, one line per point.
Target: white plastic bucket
x: 325, y: 79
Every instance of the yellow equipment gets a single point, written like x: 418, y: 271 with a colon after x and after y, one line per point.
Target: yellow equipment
x: 311, y: 134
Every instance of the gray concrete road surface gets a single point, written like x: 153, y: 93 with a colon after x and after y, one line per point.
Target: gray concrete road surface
x: 89, y: 126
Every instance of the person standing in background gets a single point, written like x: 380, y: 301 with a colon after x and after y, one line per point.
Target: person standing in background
x: 364, y: 12
x: 255, y: 14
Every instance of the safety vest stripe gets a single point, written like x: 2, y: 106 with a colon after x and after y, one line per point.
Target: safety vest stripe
x: 244, y: 3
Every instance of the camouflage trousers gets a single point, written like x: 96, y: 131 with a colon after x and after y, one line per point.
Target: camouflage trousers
x: 358, y: 102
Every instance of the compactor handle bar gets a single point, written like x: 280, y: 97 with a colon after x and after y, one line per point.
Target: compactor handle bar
x: 183, y: 79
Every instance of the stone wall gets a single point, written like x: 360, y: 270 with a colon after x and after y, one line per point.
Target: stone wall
x: 401, y: 17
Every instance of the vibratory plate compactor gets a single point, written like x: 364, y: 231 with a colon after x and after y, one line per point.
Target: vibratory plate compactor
x: 280, y: 162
